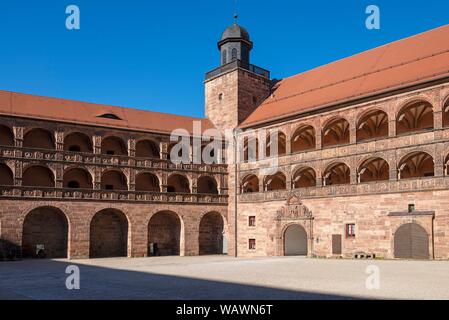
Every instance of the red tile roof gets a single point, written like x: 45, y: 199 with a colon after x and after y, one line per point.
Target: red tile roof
x: 419, y: 58
x: 25, y: 105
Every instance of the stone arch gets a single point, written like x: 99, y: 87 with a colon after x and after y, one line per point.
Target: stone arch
x: 6, y: 175
x: 250, y: 149
x: 6, y: 136
x: 113, y: 145
x: 45, y: 233
x: 78, y: 142
x: 304, y: 177
x: 114, y: 180
x: 373, y: 169
x: 39, y: 138
x: 335, y: 132
x: 411, y: 241
x: 446, y: 112
x: 372, y: 124
x: 211, y: 234
x: 415, y: 116
x: 147, y: 181
x: 77, y: 178
x: 337, y: 173
x: 303, y: 138
x: 38, y: 176
x: 249, y: 184
x: 277, y: 181
x: 147, y: 148
x: 165, y: 229
x: 178, y: 183
x: 207, y: 185
x: 276, y: 137
x: 295, y: 240
x: 416, y: 165
x: 109, y: 234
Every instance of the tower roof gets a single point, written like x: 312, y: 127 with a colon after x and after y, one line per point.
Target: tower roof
x: 235, y: 31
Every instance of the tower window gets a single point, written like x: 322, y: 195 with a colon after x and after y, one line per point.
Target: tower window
x: 234, y: 54
x: 224, y: 57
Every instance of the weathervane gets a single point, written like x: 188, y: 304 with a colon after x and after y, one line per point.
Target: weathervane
x: 235, y: 11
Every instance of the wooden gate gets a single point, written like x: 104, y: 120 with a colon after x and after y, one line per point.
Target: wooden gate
x: 411, y: 241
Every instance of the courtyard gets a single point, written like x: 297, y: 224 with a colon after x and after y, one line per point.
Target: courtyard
x: 223, y: 277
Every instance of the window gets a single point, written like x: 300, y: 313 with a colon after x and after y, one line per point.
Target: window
x: 350, y: 230
x: 252, y: 221
x: 109, y: 116
x: 110, y: 152
x: 234, y: 54
x: 220, y: 96
x: 411, y: 208
x: 225, y: 58
x: 252, y: 244
x: 109, y: 187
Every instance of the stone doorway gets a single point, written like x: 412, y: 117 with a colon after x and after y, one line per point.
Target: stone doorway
x: 295, y: 241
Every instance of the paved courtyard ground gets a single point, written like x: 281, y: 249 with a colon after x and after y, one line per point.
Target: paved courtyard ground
x: 221, y: 277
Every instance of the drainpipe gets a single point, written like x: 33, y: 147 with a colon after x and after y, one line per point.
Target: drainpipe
x: 235, y: 191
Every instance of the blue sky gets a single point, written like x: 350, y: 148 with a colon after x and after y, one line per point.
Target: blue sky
x: 150, y: 54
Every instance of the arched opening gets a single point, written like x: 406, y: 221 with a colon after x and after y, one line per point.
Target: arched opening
x: 6, y: 136
x: 207, y: 185
x: 411, y: 241
x: 336, y: 174
x: 147, y: 182
x: 178, y: 183
x: 275, y: 182
x: 6, y: 175
x: 295, y: 241
x: 78, y: 142
x: 335, y: 133
x: 374, y: 169
x: 77, y: 178
x: 250, y: 149
x: 108, y: 234
x: 304, y: 177
x: 250, y: 184
x: 303, y: 139
x: 147, y: 149
x: 373, y: 125
x: 211, y: 234
x: 446, y: 114
x: 234, y: 54
x: 38, y: 176
x: 113, y: 180
x: 45, y: 234
x: 276, y: 138
x: 414, y: 117
x: 39, y: 139
x: 113, y: 146
x: 416, y: 165
x: 164, y: 234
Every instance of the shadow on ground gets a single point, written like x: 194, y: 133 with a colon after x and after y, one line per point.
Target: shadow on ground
x: 45, y: 280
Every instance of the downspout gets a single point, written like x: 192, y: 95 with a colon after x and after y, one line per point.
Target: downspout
x: 235, y: 191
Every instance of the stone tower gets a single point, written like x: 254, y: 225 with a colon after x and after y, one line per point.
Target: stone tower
x: 236, y: 88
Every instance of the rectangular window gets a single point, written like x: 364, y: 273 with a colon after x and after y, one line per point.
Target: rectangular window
x: 350, y: 230
x: 252, y: 221
x: 252, y: 244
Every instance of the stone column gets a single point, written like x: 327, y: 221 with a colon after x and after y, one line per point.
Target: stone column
x: 59, y: 138
x: 97, y: 144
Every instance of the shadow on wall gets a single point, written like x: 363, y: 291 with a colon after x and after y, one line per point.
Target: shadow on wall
x: 49, y: 278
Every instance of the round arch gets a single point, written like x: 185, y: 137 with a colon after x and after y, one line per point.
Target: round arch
x: 109, y: 234
x: 45, y: 233
x: 78, y: 142
x: 335, y: 132
x: 38, y: 176
x: 411, y: 241
x: 6, y: 136
x: 211, y: 237
x: 6, y: 175
x: 372, y: 124
x: 165, y: 231
x: 295, y: 240
x: 38, y: 138
x: 414, y: 116
x: 416, y: 164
